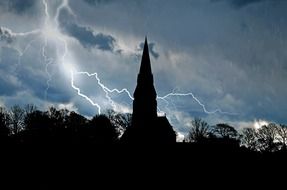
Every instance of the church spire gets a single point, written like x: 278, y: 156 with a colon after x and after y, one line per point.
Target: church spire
x: 144, y: 104
x: 145, y: 63
x: 146, y: 126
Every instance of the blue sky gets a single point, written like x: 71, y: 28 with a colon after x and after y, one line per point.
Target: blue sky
x: 231, y: 54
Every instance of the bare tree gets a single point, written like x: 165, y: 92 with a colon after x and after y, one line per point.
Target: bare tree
x: 16, y: 119
x: 120, y: 120
x: 249, y: 138
x: 199, y: 131
x: 58, y: 117
x: 225, y: 131
x: 266, y: 136
x: 29, y: 108
x: 282, y: 135
x: 4, y: 123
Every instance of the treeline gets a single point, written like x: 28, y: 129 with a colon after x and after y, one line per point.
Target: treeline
x: 30, y: 125
x: 266, y: 139
x: 20, y: 125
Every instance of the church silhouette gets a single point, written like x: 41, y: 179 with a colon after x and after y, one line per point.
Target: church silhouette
x: 147, y: 127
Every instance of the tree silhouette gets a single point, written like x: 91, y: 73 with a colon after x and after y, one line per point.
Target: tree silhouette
x: 76, y: 121
x: 199, y: 131
x: 38, y: 126
x: 60, y: 126
x: 249, y: 138
x: 225, y: 131
x: 102, y: 130
x: 76, y: 126
x: 37, y: 120
x: 266, y: 136
x: 4, y: 122
x: 58, y: 117
x: 120, y: 120
x: 29, y: 108
x: 16, y: 115
x: 282, y: 136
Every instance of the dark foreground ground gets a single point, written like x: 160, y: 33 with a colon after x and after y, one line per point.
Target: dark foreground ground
x: 136, y: 166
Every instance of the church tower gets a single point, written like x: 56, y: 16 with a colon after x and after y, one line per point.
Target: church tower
x: 146, y: 126
x: 144, y: 105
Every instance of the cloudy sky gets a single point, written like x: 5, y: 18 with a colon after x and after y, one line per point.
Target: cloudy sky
x: 229, y: 54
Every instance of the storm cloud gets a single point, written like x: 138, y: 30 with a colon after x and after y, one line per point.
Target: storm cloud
x: 230, y: 54
x: 89, y: 39
x: 6, y: 35
x: 243, y: 3
x: 86, y: 36
x: 17, y: 6
x: 95, y: 2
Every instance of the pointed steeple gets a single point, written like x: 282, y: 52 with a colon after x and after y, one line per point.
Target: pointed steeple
x: 145, y: 63
x: 146, y: 126
x: 144, y: 104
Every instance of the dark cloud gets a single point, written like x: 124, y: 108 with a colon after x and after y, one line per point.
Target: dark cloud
x: 6, y: 35
x: 17, y: 6
x: 151, y: 49
x: 57, y: 95
x: 89, y: 39
x: 95, y: 2
x: 243, y: 3
x: 86, y: 36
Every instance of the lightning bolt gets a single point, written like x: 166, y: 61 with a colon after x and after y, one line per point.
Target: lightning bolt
x: 124, y: 90
x: 48, y: 31
x: 103, y: 87
x: 47, y: 61
x: 51, y: 27
x: 47, y: 26
x: 83, y: 95
x: 63, y: 5
x: 197, y: 100
x: 21, y: 52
